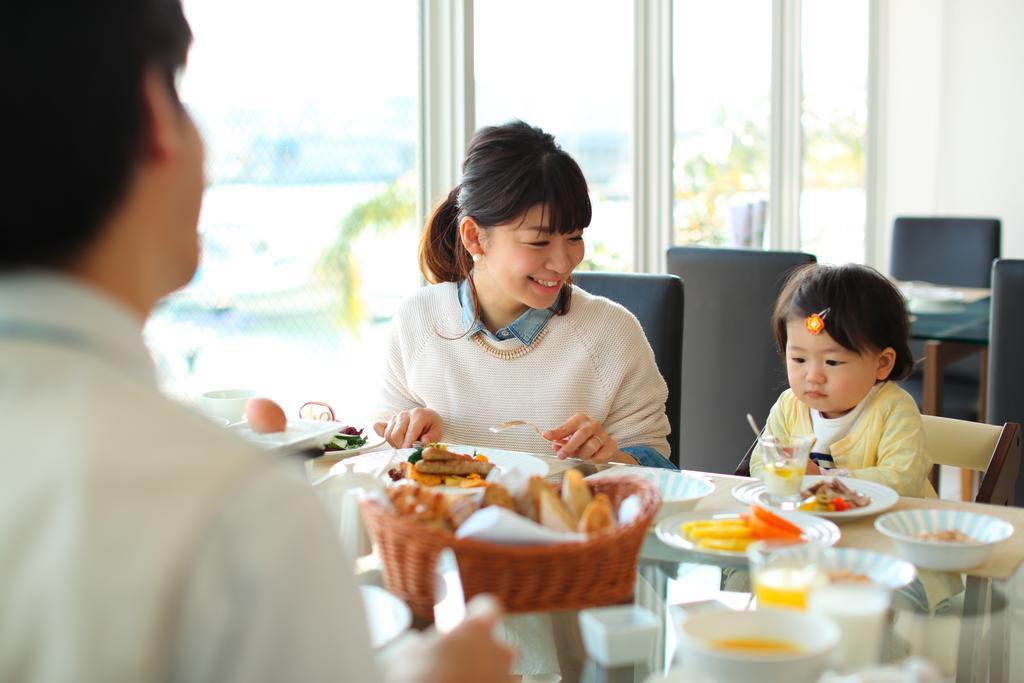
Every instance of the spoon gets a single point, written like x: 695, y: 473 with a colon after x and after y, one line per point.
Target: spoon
x: 754, y: 427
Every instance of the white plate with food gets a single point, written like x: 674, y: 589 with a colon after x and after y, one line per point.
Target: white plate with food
x: 670, y: 530
x: 388, y: 616
x: 297, y: 434
x: 452, y: 477
x: 852, y: 565
x: 348, y: 442
x: 862, y: 497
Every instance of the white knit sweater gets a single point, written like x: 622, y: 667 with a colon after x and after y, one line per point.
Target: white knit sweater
x: 594, y: 360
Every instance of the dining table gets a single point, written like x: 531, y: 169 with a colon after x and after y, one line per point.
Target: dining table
x: 977, y: 635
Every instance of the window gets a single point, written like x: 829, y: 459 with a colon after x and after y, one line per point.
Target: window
x: 834, y: 61
x: 722, y: 56
x: 567, y: 67
x: 308, y: 222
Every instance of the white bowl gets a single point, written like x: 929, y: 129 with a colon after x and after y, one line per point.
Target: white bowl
x: 902, y: 527
x: 883, y: 570
x: 815, y: 635
x: 226, y: 404
x: 679, y: 491
x: 618, y: 635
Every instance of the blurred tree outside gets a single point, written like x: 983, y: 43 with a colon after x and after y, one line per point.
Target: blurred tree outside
x: 338, y: 267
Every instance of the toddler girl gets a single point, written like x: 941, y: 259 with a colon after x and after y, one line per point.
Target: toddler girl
x: 843, y: 331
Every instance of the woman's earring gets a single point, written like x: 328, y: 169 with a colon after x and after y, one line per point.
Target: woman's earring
x: 476, y: 258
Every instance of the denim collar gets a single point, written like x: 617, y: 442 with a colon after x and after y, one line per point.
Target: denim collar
x: 525, y: 328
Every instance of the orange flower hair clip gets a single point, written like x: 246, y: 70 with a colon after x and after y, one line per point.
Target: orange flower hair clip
x: 815, y: 322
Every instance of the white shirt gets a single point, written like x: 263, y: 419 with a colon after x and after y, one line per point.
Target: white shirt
x: 139, y: 541
x: 828, y: 430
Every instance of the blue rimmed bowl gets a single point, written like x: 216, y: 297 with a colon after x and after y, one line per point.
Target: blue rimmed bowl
x: 906, y: 526
x: 679, y: 491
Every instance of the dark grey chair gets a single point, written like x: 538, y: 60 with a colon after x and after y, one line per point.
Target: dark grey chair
x: 657, y: 302
x: 945, y: 251
x: 1006, y: 342
x: 731, y: 366
x: 957, y: 252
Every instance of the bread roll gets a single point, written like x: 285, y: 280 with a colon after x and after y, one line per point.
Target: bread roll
x: 575, y: 493
x: 496, y: 494
x: 553, y: 514
x: 599, y: 515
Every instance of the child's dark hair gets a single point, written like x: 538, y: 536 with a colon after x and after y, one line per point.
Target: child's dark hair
x: 865, y: 310
x: 508, y: 170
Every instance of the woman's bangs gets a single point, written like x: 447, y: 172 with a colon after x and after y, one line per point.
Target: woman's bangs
x: 566, y: 199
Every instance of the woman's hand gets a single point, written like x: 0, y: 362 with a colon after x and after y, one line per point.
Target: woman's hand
x: 583, y: 438
x: 812, y: 467
x: 418, y: 424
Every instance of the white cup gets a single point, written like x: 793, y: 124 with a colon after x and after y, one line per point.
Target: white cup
x: 225, y: 404
x: 859, y: 610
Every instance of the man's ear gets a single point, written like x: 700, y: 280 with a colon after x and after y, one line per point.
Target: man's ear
x: 886, y: 362
x: 469, y: 233
x: 163, y: 118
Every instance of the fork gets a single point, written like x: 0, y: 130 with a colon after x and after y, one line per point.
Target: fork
x: 512, y: 424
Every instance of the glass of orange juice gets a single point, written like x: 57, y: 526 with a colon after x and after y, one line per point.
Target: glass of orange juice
x: 783, y: 572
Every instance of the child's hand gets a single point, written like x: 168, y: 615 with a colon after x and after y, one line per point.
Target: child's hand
x: 812, y: 467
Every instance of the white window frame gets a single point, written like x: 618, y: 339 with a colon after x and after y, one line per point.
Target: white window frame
x: 447, y: 119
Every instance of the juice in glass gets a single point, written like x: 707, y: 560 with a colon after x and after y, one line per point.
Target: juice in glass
x: 784, y: 572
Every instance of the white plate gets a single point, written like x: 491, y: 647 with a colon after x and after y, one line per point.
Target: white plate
x: 298, y: 434
x: 373, y: 442
x: 389, y: 617
x: 817, y: 530
x: 528, y: 464
x: 882, y: 497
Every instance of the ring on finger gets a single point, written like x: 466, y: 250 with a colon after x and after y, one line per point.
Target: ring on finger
x: 600, y: 442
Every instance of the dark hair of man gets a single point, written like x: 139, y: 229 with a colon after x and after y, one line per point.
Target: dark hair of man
x: 508, y: 170
x: 866, y: 311
x: 74, y: 116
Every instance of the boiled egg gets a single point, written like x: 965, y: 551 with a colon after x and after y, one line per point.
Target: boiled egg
x: 265, y: 416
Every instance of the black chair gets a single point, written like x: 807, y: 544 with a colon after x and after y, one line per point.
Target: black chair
x: 957, y: 252
x: 731, y: 367
x: 1006, y: 340
x: 945, y: 251
x: 657, y: 302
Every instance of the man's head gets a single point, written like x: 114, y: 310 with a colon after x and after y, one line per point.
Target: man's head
x: 104, y: 164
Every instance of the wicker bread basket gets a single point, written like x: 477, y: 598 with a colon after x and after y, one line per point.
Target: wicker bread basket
x: 598, y: 571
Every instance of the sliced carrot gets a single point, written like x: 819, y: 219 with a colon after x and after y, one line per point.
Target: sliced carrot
x: 768, y: 517
x: 763, y: 529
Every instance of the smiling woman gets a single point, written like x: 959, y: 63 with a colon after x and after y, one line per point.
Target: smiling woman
x: 504, y: 334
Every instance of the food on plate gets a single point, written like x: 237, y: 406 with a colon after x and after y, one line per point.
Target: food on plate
x: 754, y: 645
x: 265, y: 416
x: 946, y: 536
x: 846, y: 576
x: 575, y: 493
x: 544, y: 506
x: 734, y: 534
x: 435, y: 465
x: 456, y: 466
x: 832, y: 495
x: 346, y: 439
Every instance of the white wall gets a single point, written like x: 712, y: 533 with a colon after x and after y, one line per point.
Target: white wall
x: 953, y: 108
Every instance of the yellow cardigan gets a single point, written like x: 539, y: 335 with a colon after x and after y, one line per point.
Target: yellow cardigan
x: 885, y: 445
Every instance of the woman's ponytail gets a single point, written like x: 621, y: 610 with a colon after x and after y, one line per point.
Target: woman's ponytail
x: 442, y: 256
